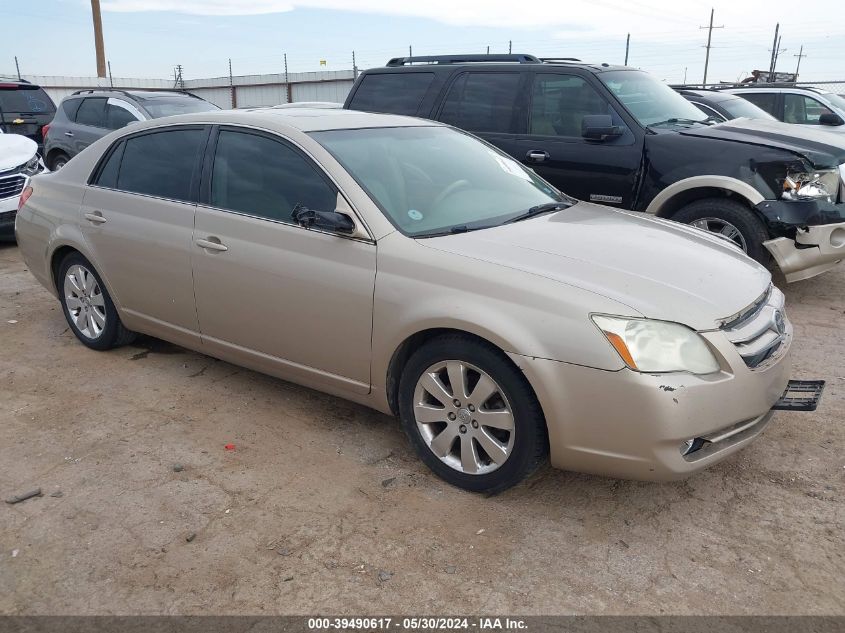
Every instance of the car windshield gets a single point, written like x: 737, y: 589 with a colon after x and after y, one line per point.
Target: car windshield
x: 649, y: 100
x: 434, y: 180
x: 169, y: 106
x: 740, y: 107
x: 835, y: 100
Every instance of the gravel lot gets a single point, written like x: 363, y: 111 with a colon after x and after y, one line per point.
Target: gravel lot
x: 321, y: 507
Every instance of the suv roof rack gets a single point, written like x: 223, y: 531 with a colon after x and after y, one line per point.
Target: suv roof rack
x: 129, y: 92
x: 559, y: 59
x: 459, y: 59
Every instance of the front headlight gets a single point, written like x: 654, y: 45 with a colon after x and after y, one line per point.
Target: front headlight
x: 32, y: 166
x: 809, y: 185
x: 657, y: 346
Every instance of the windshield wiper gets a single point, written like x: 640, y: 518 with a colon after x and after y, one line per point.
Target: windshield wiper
x: 539, y: 209
x: 676, y: 120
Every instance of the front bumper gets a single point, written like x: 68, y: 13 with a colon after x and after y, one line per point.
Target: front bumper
x: 635, y: 426
x: 819, y: 236
x: 8, y: 211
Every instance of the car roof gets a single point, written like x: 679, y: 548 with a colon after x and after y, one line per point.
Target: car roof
x: 709, y: 95
x: 302, y: 119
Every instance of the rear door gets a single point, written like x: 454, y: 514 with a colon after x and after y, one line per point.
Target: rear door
x: 138, y: 221
x: 89, y: 126
x: 270, y: 293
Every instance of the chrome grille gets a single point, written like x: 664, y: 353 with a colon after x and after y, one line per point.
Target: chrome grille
x: 759, y: 331
x: 11, y: 185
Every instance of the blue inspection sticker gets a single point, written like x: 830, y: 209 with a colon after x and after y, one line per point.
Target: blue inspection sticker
x: 414, y: 214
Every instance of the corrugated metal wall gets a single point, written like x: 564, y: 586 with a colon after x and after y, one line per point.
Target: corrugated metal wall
x: 250, y: 90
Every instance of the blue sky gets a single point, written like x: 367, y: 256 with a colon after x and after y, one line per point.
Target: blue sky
x: 145, y: 38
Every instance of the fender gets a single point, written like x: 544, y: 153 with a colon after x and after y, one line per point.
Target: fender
x: 727, y: 183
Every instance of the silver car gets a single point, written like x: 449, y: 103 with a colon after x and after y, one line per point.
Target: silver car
x: 411, y: 267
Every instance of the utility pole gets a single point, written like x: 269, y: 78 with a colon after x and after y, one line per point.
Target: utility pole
x: 18, y: 68
x: 410, y: 51
x: 799, y: 56
x: 627, y: 46
x: 488, y: 50
x: 98, y: 38
x: 774, y: 52
x: 709, y: 38
x: 232, y: 86
x: 685, y: 75
x: 510, y: 47
x: 354, y: 67
x: 179, y: 82
x: 111, y: 81
x: 288, y: 89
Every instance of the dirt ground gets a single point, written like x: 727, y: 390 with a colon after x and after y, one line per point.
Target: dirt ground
x: 322, y: 508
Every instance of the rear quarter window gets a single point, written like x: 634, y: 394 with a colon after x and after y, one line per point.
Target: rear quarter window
x: 69, y: 107
x: 392, y: 93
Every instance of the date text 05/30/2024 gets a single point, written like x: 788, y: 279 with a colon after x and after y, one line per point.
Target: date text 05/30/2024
x: 417, y: 623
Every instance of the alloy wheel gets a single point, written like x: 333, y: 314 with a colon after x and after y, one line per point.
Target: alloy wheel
x: 85, y: 301
x: 464, y: 417
x: 723, y: 229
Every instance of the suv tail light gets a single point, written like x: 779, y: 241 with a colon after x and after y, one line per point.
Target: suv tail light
x: 24, y: 197
x: 44, y: 130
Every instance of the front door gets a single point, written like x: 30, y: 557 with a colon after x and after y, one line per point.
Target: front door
x: 138, y: 220
x: 271, y: 294
x: 598, y: 171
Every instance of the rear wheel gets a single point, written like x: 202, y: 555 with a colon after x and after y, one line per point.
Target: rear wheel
x: 730, y: 220
x: 58, y: 160
x: 88, y: 308
x: 471, y: 415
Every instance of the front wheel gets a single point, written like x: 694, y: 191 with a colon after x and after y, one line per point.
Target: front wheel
x: 87, y: 306
x: 730, y: 220
x: 471, y: 415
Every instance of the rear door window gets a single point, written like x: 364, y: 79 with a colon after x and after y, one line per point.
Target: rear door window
x: 69, y: 107
x: 161, y: 164
x: 392, y: 93
x: 764, y: 100
x: 483, y: 102
x: 92, y: 112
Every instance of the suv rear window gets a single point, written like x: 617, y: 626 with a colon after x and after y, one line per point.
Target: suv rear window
x: 25, y: 99
x: 392, y: 93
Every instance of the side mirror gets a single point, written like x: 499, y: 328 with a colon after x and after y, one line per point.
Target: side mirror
x: 333, y: 221
x: 830, y: 118
x: 599, y: 127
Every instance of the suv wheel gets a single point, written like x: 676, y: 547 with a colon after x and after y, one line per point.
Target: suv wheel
x: 88, y: 307
x: 731, y: 220
x: 471, y: 415
x: 58, y: 160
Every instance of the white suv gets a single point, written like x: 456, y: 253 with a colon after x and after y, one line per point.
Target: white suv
x: 804, y: 106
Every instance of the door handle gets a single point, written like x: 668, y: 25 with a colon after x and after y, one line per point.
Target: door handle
x: 212, y: 244
x: 69, y: 134
x: 536, y: 156
x: 96, y: 217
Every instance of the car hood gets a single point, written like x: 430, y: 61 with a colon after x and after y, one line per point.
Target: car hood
x: 659, y: 269
x: 823, y: 148
x: 15, y: 150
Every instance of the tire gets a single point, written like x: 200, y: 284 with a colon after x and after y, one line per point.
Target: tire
x: 81, y: 293
x: 461, y: 435
x: 714, y: 214
x: 58, y: 160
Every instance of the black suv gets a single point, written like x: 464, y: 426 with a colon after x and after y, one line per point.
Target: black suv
x: 24, y: 108
x: 618, y: 136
